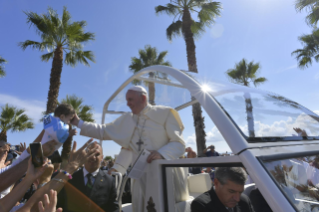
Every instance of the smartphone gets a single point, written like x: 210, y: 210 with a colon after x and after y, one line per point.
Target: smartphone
x: 36, y: 154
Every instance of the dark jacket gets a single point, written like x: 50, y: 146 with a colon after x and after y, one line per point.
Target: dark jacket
x: 73, y: 197
x: 209, y: 202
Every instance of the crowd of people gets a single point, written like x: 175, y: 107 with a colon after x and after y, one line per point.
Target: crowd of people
x: 85, y: 183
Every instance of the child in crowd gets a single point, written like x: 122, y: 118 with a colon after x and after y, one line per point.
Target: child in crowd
x: 56, y: 125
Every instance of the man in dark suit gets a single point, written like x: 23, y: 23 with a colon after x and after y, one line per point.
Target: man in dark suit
x: 90, y: 189
x: 227, y: 195
x: 104, y: 165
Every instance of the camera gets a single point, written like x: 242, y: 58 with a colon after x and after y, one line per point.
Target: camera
x: 11, y: 155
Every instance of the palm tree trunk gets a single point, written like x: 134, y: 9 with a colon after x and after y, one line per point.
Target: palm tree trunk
x: 151, y: 90
x: 66, y: 151
x: 250, y: 117
x: 189, y: 39
x: 192, y: 66
x: 55, y: 80
x: 3, y: 136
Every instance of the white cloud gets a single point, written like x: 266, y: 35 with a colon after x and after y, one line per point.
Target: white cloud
x: 33, y: 108
x: 190, y: 140
x: 217, y: 30
x: 316, y: 111
x: 287, y: 68
x: 285, y: 127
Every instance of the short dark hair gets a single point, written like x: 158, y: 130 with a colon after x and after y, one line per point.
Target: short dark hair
x: 64, y: 109
x: 234, y: 174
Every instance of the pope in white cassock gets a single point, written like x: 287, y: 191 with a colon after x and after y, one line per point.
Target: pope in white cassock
x: 155, y: 128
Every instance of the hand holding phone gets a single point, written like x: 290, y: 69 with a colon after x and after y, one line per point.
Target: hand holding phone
x: 36, y: 154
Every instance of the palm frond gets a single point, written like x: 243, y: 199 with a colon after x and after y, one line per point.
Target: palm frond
x: 209, y: 12
x: 160, y: 57
x: 244, y: 73
x: 310, y: 49
x: 2, y: 60
x: 83, y: 111
x: 66, y: 17
x: 197, y: 28
x: 259, y: 81
x: 136, y: 64
x: 175, y: 29
x: 2, y: 71
x: 47, y: 57
x: 14, y: 119
x: 169, y: 9
x: 33, y: 44
x: 311, y: 6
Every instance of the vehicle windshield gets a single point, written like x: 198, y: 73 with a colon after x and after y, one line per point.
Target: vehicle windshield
x: 264, y: 116
x: 298, y: 179
x: 260, y: 116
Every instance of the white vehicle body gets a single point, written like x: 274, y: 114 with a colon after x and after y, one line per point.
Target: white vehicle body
x: 246, y: 153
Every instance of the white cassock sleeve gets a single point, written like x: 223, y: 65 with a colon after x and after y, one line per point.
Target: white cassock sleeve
x: 120, y: 130
x: 176, y: 145
x: 123, y: 160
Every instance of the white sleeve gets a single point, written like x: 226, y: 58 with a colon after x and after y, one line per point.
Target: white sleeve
x: 23, y: 156
x: 80, y: 123
x: 123, y: 160
x: 176, y: 145
x: 172, y: 150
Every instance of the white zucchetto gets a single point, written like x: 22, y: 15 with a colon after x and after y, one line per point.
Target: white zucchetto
x: 138, y: 88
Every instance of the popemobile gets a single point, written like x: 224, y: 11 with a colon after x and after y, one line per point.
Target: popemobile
x: 274, y: 138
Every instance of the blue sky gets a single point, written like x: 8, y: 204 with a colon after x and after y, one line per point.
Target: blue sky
x: 265, y: 31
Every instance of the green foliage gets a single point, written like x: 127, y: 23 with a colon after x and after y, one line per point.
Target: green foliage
x: 312, y: 7
x: 83, y: 111
x: 60, y: 32
x: 14, y: 119
x: 244, y: 73
x: 2, y: 71
x: 108, y: 158
x: 147, y: 57
x: 207, y: 11
x: 309, y: 51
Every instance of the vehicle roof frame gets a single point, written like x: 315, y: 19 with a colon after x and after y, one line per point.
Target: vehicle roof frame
x: 226, y: 127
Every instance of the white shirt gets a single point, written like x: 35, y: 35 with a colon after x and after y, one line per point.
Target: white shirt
x: 85, y: 172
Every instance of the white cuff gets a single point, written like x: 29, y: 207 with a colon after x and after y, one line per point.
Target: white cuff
x: 172, y: 150
x: 80, y: 123
x: 119, y: 168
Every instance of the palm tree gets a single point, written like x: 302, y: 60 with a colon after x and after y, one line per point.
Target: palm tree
x: 13, y: 119
x: 84, y: 112
x: 147, y: 57
x: 312, y: 6
x: 206, y: 11
x: 245, y: 73
x: 309, y: 51
x: 2, y: 71
x: 59, y: 35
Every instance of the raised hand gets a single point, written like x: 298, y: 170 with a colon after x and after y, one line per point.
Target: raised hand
x: 22, y: 148
x: 46, y: 176
x: 3, y: 158
x: 79, y: 157
x: 34, y: 173
x: 75, y: 121
x: 49, y: 205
